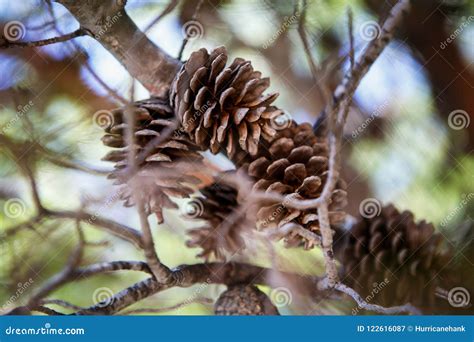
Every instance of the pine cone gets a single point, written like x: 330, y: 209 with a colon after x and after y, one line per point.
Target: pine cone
x: 223, y: 107
x: 158, y: 170
x: 244, y: 300
x: 393, y: 260
x: 219, y: 236
x: 296, y: 162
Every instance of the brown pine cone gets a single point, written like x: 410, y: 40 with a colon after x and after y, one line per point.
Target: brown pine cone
x: 296, y: 162
x: 244, y: 300
x: 223, y: 108
x: 219, y: 237
x: 159, y: 173
x: 394, y: 260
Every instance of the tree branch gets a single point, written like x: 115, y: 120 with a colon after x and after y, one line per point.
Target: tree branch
x: 207, y: 273
x: 393, y: 310
x: 115, y: 30
x: 6, y: 44
x: 117, y: 229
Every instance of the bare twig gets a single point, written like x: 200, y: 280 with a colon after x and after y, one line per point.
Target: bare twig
x: 205, y: 301
x: 343, y: 97
x: 185, y: 41
x: 161, y: 272
x: 351, y: 38
x: 34, y: 189
x: 338, y: 114
x: 76, y: 165
x: 322, y: 89
x: 105, y: 267
x: 63, y: 276
x: 47, y: 311
x: 60, y: 302
x: 6, y: 44
x: 117, y: 229
x: 168, y: 9
x: 393, y: 310
x: 373, y: 50
x: 294, y: 228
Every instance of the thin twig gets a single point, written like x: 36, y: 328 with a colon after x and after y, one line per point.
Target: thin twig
x: 34, y: 189
x: 113, y: 266
x: 393, y: 310
x: 47, y: 311
x: 62, y: 277
x: 343, y: 97
x: 323, y: 90
x: 117, y: 229
x: 60, y: 302
x: 294, y: 228
x: 185, y: 41
x: 76, y: 165
x: 161, y: 272
x: 351, y: 38
x: 205, y: 301
x: 6, y: 44
x: 168, y: 9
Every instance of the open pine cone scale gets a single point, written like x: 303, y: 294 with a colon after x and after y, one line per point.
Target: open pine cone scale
x: 162, y: 171
x: 393, y: 250
x: 294, y: 164
x: 223, y: 108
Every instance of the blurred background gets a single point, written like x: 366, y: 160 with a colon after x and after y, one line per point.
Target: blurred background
x: 409, y: 139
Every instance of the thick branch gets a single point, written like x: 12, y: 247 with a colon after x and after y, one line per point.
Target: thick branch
x: 188, y: 275
x: 115, y: 30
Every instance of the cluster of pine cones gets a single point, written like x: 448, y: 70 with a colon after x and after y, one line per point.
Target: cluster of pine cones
x: 222, y: 107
